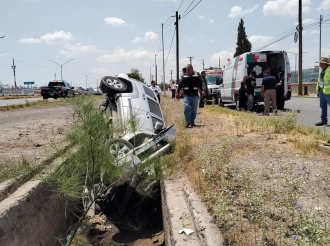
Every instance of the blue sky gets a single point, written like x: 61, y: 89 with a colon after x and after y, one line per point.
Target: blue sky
x: 107, y: 37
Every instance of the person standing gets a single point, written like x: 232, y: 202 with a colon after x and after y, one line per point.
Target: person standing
x: 280, y: 92
x: 323, y: 90
x: 191, y: 83
x: 156, y: 89
x: 242, y: 97
x: 250, y: 84
x: 201, y: 100
x: 173, y: 88
x: 268, y: 92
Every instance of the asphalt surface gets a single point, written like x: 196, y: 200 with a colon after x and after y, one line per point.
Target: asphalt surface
x: 309, y: 111
x: 18, y: 101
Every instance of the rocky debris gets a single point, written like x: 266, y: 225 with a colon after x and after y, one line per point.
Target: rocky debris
x: 98, y: 224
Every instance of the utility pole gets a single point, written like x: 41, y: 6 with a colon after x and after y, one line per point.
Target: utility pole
x: 219, y: 63
x: 155, y: 68
x: 203, y: 64
x: 86, y: 77
x: 61, y: 66
x: 171, y: 72
x: 300, y: 28
x: 177, y: 18
x: 321, y: 19
x: 14, y: 70
x: 190, y: 59
x: 55, y: 75
x: 163, y: 60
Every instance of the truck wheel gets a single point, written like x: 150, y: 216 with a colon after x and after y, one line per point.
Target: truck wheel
x: 44, y: 98
x: 216, y: 100
x: 111, y: 85
x: 119, y: 147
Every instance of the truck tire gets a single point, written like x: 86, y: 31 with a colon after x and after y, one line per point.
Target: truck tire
x: 237, y: 103
x: 44, y: 97
x: 216, y: 100
x: 116, y: 145
x: 112, y: 85
x: 220, y: 103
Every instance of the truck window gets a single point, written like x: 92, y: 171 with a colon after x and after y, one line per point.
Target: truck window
x: 212, y: 79
x: 52, y: 84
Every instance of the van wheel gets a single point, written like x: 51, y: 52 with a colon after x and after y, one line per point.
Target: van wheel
x: 220, y: 103
x: 216, y: 100
x: 237, y: 103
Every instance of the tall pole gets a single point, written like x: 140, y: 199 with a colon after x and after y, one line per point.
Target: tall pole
x: 321, y: 19
x: 300, y: 28
x: 55, y: 75
x: 295, y: 67
x: 177, y: 44
x: 219, y: 63
x: 190, y: 59
x: 203, y: 64
x: 171, y: 72
x: 156, y: 68
x: 61, y: 66
x: 86, y: 77
x: 163, y: 60
x: 14, y: 70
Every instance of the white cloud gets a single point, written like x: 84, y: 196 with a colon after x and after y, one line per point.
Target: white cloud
x: 114, y: 21
x: 324, y: 5
x: 148, y: 36
x: 100, y: 71
x: 224, y: 55
x: 120, y: 54
x: 191, y: 40
x: 258, y: 41
x: 212, y: 41
x: 285, y: 7
x: 78, y: 48
x: 57, y: 37
x: 29, y: 41
x: 201, y: 17
x: 137, y: 40
x: 202, y: 37
x: 306, y: 21
x: 238, y: 11
x: 211, y: 21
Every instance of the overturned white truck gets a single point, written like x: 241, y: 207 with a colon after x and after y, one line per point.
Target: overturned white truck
x: 134, y: 105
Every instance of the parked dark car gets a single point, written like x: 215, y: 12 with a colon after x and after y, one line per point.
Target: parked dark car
x: 57, y: 89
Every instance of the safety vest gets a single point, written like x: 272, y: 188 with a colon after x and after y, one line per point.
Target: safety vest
x: 326, y: 88
x: 190, y: 84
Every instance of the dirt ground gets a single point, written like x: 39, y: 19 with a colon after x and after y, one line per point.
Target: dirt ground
x: 33, y: 132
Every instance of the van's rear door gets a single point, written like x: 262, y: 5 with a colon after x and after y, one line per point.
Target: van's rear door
x: 258, y: 62
x: 287, y: 75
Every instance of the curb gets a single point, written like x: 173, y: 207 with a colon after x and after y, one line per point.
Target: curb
x: 207, y: 231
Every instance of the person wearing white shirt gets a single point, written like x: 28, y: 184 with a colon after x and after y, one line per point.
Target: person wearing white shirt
x: 174, y: 86
x: 156, y: 89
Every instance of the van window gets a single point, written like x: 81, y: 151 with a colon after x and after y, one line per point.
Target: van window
x: 149, y: 92
x: 154, y: 108
x: 212, y: 79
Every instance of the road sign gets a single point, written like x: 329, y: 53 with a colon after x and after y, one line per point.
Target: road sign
x: 29, y: 83
x: 295, y: 37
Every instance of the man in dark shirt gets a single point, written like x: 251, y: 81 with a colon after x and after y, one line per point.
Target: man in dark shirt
x: 242, y: 96
x: 250, y: 84
x: 201, y: 100
x: 268, y: 92
x: 191, y: 83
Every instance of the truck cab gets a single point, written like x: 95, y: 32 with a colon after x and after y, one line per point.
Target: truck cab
x: 213, y: 78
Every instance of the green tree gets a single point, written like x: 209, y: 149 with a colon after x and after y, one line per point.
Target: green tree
x: 243, y: 44
x: 135, y: 74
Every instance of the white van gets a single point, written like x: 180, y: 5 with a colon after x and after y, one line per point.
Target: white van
x: 239, y: 68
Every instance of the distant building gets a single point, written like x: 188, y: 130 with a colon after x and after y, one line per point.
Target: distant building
x: 309, y: 75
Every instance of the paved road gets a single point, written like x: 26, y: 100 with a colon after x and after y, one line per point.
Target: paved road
x: 18, y: 101
x: 310, y: 111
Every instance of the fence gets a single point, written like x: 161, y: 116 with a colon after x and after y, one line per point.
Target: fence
x: 16, y: 92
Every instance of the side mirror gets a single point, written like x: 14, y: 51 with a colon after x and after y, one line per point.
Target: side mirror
x: 219, y: 81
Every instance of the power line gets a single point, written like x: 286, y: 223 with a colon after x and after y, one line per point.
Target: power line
x: 192, y: 8
x: 25, y: 62
x: 170, y: 47
x: 188, y: 7
x: 180, y: 5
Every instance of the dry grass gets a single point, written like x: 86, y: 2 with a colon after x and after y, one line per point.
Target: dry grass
x: 262, y: 178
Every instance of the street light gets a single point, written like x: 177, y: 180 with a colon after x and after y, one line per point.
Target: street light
x: 97, y: 82
x: 2, y: 36
x: 156, y: 66
x: 61, y: 66
x: 86, y: 78
x: 295, y: 64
